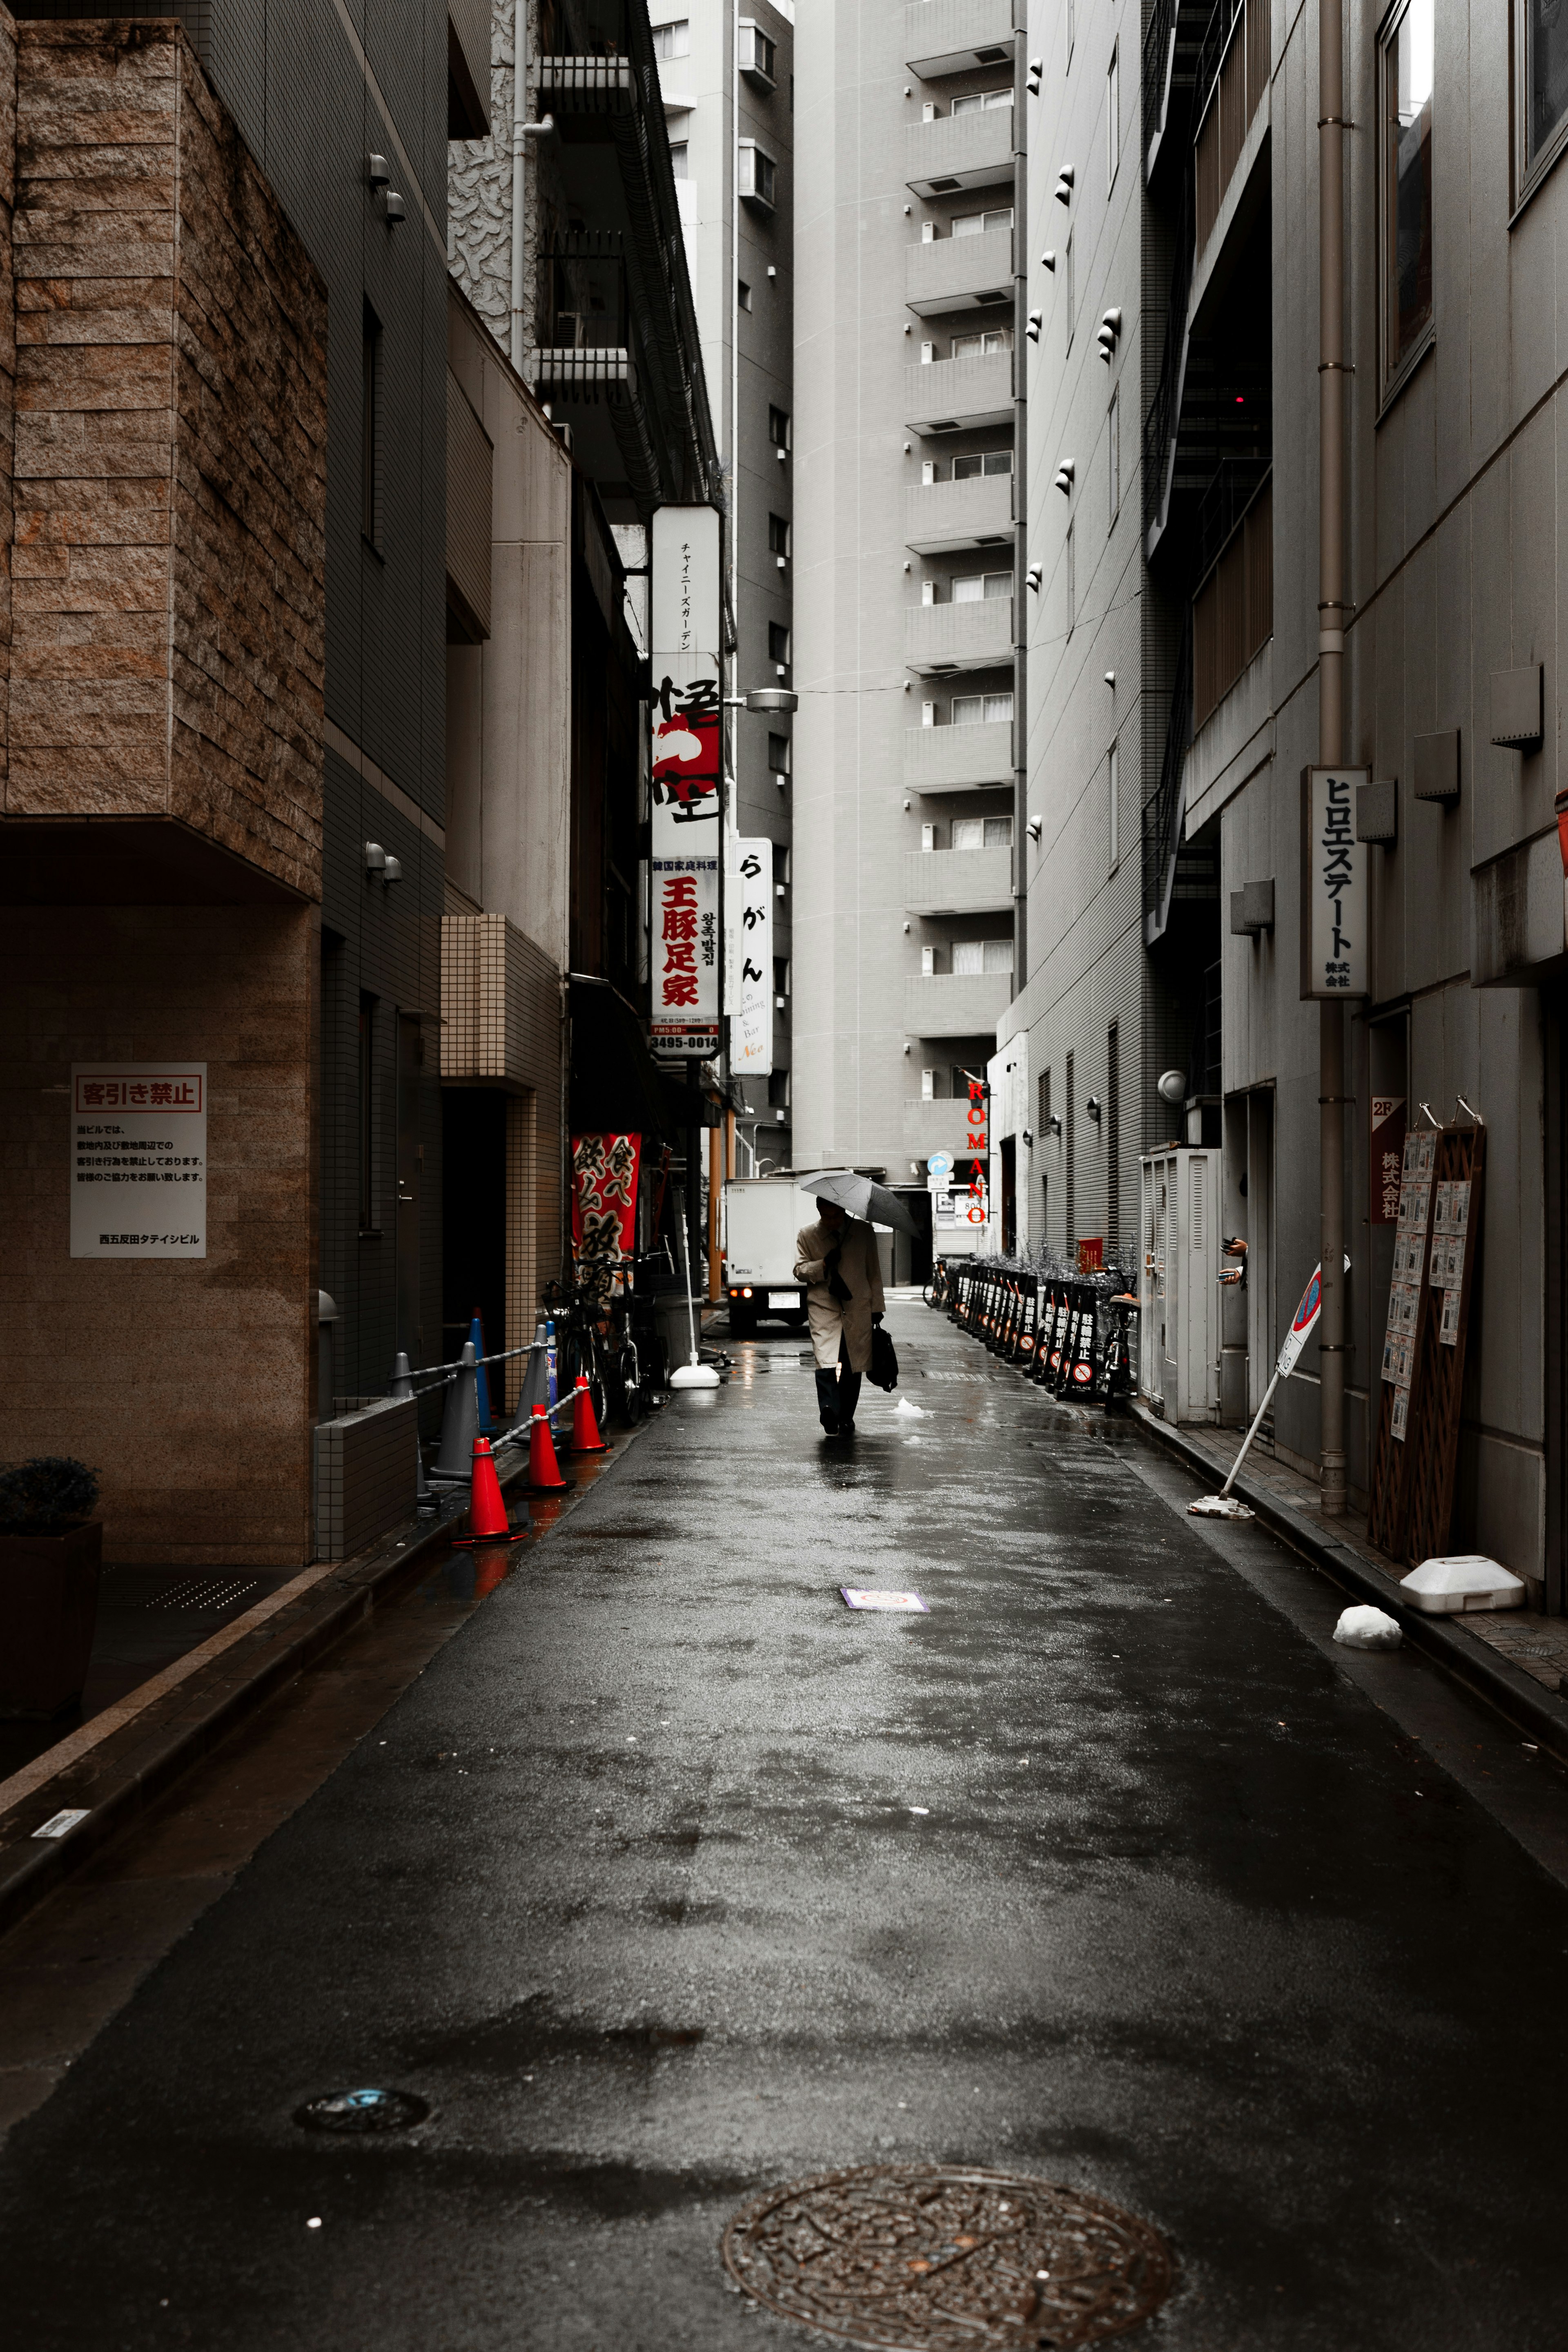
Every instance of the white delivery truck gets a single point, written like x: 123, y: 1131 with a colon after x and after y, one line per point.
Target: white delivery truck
x: 762, y: 1216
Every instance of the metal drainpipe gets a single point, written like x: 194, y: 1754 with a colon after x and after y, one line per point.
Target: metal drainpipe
x: 1020, y: 510
x: 1330, y: 725
x: 522, y: 132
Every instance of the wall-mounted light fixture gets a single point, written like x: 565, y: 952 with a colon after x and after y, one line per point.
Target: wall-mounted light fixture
x: 1031, y: 333
x: 1035, y: 75
x: 1109, y: 331
x: 1062, y: 191
x: 1063, y: 477
x: 1110, y: 679
x: 1093, y: 1106
x: 1034, y: 828
x: 1034, y: 575
x: 1048, y: 259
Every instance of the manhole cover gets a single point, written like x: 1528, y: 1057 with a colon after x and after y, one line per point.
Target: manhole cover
x: 931, y: 2258
x: 361, y: 2111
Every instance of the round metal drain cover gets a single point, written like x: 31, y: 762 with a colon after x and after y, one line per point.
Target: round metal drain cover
x: 931, y: 2258
x: 361, y: 2111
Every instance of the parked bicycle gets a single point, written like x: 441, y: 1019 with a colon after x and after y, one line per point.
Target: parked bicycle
x: 580, y: 1343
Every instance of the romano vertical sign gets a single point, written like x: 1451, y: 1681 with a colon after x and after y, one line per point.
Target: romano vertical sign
x: 138, y: 1160
x: 1336, y: 894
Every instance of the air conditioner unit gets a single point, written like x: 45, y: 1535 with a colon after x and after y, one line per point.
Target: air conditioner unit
x: 1178, y: 1284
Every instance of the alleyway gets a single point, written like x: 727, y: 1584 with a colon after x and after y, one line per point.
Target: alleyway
x: 670, y: 1879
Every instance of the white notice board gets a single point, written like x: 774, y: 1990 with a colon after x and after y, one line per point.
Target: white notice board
x: 138, y: 1160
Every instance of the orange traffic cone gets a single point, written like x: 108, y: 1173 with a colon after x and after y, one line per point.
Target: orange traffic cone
x: 585, y: 1437
x: 487, y: 1521
x: 544, y: 1470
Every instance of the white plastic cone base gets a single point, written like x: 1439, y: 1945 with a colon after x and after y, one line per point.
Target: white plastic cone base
x: 694, y: 1375
x: 1218, y: 1506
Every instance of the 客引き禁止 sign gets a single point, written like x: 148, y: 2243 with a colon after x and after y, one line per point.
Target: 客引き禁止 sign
x: 684, y: 955
x: 138, y: 1160
x: 1335, y: 886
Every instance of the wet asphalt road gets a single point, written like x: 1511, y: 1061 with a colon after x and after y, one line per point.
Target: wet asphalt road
x: 630, y: 1887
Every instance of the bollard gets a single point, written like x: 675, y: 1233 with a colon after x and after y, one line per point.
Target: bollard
x: 459, y: 1423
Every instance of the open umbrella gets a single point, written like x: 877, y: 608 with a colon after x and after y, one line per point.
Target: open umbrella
x: 860, y: 1198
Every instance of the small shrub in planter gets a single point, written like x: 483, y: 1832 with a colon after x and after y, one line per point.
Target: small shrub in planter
x: 51, y: 1553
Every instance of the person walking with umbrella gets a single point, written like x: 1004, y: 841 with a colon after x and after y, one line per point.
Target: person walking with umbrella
x: 838, y: 1261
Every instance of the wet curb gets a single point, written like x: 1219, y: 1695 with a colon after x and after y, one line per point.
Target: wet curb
x: 1484, y: 1672
x: 135, y: 1764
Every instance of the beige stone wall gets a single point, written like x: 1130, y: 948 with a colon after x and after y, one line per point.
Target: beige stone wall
x: 167, y: 640
x: 188, y: 1384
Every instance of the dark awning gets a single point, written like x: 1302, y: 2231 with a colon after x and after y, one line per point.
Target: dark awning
x: 617, y: 1086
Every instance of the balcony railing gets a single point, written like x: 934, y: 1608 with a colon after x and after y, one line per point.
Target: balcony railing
x: 957, y: 396
x: 942, y: 637
x: 1233, y: 609
x: 949, y: 37
x: 582, y: 297
x: 960, y: 151
x: 957, y: 881
x: 959, y: 273
x: 955, y: 1003
x: 1165, y: 414
x: 1232, y: 74
x: 958, y: 758
x: 939, y: 517
x: 1162, y: 814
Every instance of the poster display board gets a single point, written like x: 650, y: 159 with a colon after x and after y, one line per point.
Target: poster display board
x: 138, y: 1160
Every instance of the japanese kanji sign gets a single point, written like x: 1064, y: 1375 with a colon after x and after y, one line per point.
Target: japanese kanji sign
x: 138, y: 1160
x: 1335, y: 886
x: 749, y: 917
x: 1385, y: 1158
x: 604, y: 1195
x: 688, y: 759
x: 686, y: 955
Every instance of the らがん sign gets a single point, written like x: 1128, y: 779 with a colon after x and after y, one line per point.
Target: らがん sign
x: 138, y: 1160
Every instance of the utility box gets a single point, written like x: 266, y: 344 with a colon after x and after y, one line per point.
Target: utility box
x: 1178, y: 1284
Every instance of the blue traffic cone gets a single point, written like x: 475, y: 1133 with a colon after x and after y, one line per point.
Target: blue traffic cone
x: 476, y: 1335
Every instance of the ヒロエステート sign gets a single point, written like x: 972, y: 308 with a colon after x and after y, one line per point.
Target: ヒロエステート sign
x: 1335, y: 886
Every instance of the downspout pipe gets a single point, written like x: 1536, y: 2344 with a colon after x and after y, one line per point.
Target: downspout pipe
x: 1331, y: 727
x: 522, y: 132
x: 1020, y: 508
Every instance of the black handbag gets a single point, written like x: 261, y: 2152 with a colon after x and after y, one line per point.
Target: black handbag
x: 883, y: 1370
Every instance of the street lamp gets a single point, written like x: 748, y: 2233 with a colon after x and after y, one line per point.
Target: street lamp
x: 776, y: 698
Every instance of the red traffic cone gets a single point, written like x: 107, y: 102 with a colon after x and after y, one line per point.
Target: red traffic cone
x: 544, y: 1470
x: 585, y: 1437
x: 487, y: 1521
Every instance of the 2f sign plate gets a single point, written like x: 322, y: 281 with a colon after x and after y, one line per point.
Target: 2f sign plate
x: 1335, y: 886
x: 138, y: 1160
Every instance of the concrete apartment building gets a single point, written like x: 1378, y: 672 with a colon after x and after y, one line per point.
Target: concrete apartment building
x: 1166, y: 889
x: 225, y: 681
x: 907, y: 462
x: 727, y: 72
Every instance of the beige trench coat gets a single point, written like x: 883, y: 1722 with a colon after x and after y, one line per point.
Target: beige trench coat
x: 860, y: 1268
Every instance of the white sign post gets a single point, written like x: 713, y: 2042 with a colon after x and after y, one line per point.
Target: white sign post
x: 138, y: 1160
x: 749, y: 914
x: 1336, y: 887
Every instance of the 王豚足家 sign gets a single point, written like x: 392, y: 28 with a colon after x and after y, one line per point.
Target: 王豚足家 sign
x: 1335, y: 886
x: 138, y: 1160
x: 685, y: 956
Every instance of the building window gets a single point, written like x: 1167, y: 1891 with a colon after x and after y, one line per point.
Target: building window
x: 778, y: 645
x: 366, y: 1138
x: 369, y: 426
x: 1405, y: 53
x: 976, y: 223
x: 987, y: 461
x: 743, y: 293
x: 757, y: 58
x: 777, y: 536
x: 780, y: 975
x: 1541, y: 90
x: 1113, y: 453
x: 980, y: 346
x: 673, y: 40
x: 1112, y: 118
x: 976, y: 709
x: 973, y: 956
x: 1042, y: 1102
x: 778, y: 754
x: 976, y: 586
x: 982, y: 833
x: 779, y: 1090
x: 757, y: 176
x: 680, y: 151
x: 778, y: 427
x: 978, y: 101
x: 1113, y: 796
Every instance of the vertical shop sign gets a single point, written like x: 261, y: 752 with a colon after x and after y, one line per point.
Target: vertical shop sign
x: 683, y: 605
x: 978, y: 1143
x: 685, y: 958
x: 688, y: 757
x: 748, y: 983
x: 138, y: 1160
x: 1385, y: 1158
x: 1335, y: 886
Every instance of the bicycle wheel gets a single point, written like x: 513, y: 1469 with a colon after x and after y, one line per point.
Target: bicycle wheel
x: 633, y: 1403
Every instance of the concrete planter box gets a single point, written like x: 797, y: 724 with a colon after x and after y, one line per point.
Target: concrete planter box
x: 49, y: 1614
x: 366, y: 1477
